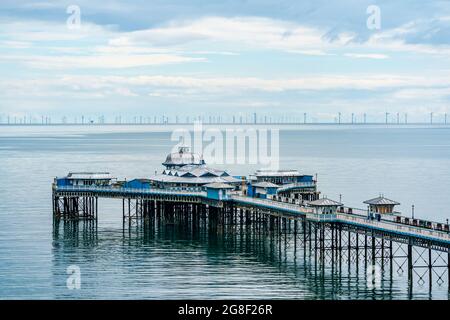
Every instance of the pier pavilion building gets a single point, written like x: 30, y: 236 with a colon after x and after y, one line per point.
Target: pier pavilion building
x: 86, y: 179
x: 325, y: 206
x: 185, y: 170
x: 292, y: 186
x: 218, y: 191
x: 381, y: 205
x: 262, y: 189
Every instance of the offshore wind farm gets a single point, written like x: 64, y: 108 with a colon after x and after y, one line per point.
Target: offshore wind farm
x: 254, y: 118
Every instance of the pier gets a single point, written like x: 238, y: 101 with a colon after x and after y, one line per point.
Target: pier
x: 330, y: 233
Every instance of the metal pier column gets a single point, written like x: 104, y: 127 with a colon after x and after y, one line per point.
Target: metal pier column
x: 430, y: 268
x: 410, y: 267
x: 448, y: 269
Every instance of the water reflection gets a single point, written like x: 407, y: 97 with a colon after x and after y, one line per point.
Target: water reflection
x: 74, y: 233
x: 214, y: 263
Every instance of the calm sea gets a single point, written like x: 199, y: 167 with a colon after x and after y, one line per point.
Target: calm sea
x: 407, y: 164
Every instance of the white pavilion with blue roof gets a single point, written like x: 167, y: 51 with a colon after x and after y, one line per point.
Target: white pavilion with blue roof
x: 185, y: 170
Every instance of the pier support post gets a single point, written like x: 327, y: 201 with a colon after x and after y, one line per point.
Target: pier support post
x: 365, y: 249
x: 448, y: 269
x: 410, y: 267
x: 340, y: 246
x: 430, y: 268
x: 357, y: 252
x: 391, y: 259
x: 349, y: 247
x: 129, y: 212
x: 123, y: 212
x: 373, y: 250
x: 304, y: 227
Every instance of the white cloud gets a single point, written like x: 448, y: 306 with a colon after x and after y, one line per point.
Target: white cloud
x: 125, y: 92
x: 311, y: 52
x: 41, y: 31
x: 252, y: 33
x: 98, y: 61
x: 311, y: 82
x: 10, y: 44
x: 367, y: 55
x: 247, y: 31
x: 422, y: 93
x: 395, y: 39
x: 105, y: 47
x: 86, y: 48
x: 102, y: 50
x: 171, y: 86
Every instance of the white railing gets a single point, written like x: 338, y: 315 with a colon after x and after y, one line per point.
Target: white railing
x: 128, y: 190
x: 394, y: 217
x: 296, y: 185
x: 346, y: 217
x: 308, y: 212
x: 275, y: 204
x: 364, y: 213
x: 321, y: 217
x: 393, y: 226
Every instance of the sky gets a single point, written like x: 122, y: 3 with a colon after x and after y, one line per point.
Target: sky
x: 223, y: 58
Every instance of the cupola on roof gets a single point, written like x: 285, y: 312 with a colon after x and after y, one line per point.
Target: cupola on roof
x: 182, y: 158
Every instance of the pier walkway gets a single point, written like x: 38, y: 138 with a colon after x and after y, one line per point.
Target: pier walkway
x: 287, y: 209
x: 381, y: 242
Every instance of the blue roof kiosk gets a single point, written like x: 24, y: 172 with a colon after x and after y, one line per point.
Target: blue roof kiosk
x: 263, y: 189
x: 137, y: 184
x: 325, y: 206
x: 218, y: 191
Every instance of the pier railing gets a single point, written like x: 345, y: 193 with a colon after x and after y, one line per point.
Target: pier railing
x: 271, y: 203
x: 393, y: 226
x: 309, y: 213
x: 355, y: 217
x: 128, y: 190
x: 396, y: 218
x: 295, y: 185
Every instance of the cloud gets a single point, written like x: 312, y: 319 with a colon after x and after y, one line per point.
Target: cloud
x: 431, y: 31
x: 247, y: 31
x: 413, y: 37
x: 311, y: 52
x: 367, y: 55
x: 53, y: 46
x: 125, y: 92
x: 327, y: 61
x: 15, y: 44
x: 103, y: 47
x: 171, y: 86
x: 99, y: 61
x: 252, y: 33
x: 423, y: 93
x: 39, y: 31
